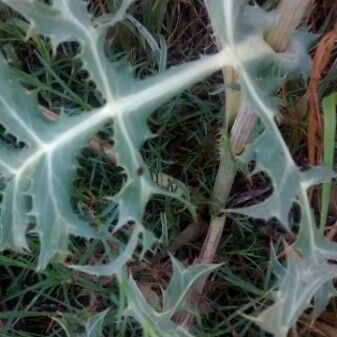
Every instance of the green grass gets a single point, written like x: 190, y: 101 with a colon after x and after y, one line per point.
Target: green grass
x: 187, y: 150
x: 329, y: 104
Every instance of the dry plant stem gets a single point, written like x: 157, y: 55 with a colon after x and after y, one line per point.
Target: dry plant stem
x: 223, y: 184
x: 233, y: 95
x: 245, y: 120
x: 290, y: 13
x: 221, y: 189
x: 224, y: 178
x: 189, y: 234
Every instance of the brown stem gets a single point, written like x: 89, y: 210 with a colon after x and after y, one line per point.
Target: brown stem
x: 290, y: 13
x: 240, y: 132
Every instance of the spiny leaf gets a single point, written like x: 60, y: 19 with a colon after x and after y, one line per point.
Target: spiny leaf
x: 288, y: 180
x: 39, y: 176
x: 154, y: 324
x: 159, y: 324
x: 302, y: 281
x: 181, y: 282
x: 70, y: 21
x: 76, y: 327
x: 35, y: 174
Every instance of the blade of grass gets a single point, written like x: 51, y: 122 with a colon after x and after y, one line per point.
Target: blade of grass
x: 155, y: 48
x: 329, y: 114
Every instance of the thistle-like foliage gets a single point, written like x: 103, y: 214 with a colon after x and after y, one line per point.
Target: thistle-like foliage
x: 159, y: 324
x: 307, y: 273
x: 75, y: 327
x: 38, y: 176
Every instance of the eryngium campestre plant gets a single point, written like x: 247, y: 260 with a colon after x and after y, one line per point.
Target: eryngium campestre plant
x: 38, y: 176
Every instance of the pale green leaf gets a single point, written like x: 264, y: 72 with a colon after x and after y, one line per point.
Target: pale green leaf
x: 154, y: 324
x: 39, y: 176
x: 181, y: 282
x: 301, y: 282
x: 159, y: 324
x: 75, y: 327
